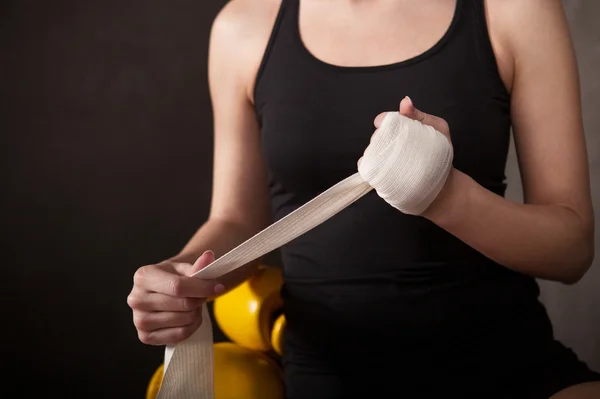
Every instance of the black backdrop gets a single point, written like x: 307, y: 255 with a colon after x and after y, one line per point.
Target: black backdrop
x: 106, y: 135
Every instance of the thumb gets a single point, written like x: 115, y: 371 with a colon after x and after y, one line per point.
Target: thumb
x: 408, y: 109
x: 204, y: 260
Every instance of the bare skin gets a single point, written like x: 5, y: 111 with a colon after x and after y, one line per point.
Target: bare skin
x: 551, y: 234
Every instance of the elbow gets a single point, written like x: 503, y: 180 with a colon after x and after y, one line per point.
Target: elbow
x: 582, y: 256
x: 579, y: 264
x: 572, y: 278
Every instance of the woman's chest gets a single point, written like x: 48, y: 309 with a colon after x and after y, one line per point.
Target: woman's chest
x: 314, y: 132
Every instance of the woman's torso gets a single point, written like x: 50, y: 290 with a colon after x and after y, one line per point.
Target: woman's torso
x: 372, y: 273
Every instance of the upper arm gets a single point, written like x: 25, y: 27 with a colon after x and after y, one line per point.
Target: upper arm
x: 236, y: 46
x: 545, y: 105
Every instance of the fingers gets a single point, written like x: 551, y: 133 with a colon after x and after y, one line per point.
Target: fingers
x: 377, y: 122
x: 408, y: 109
x: 170, y: 335
x: 153, y: 302
x: 152, y: 321
x: 379, y: 119
x: 165, y: 279
x: 167, y: 302
x: 204, y: 260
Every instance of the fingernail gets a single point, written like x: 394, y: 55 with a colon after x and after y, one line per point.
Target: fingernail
x: 409, y: 100
x: 219, y: 288
x: 209, y: 252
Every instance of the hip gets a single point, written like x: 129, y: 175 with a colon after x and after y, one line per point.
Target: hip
x: 493, y: 367
x: 445, y: 328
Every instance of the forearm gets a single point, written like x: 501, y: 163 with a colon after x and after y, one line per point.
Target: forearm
x: 220, y: 237
x: 545, y: 241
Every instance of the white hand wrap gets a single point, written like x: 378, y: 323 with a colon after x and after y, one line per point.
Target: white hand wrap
x: 407, y: 163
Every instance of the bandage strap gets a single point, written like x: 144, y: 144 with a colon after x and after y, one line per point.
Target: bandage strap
x: 189, y: 365
x: 407, y: 163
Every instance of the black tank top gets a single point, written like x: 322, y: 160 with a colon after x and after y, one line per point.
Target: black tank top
x: 371, y: 265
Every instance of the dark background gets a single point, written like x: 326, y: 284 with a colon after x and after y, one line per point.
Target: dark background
x: 106, y: 136
x: 106, y: 165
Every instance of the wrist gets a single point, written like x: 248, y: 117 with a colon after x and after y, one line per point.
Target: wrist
x: 450, y: 202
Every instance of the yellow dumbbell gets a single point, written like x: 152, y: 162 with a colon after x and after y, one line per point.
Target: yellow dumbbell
x: 246, y: 313
x: 155, y: 381
x: 277, y: 335
x: 239, y: 373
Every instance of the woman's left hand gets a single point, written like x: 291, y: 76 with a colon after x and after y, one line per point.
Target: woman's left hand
x: 409, y: 159
x: 408, y: 109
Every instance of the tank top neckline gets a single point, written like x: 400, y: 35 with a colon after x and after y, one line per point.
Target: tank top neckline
x: 436, y: 47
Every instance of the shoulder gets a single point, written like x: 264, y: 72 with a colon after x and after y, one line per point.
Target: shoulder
x: 528, y: 24
x: 240, y: 33
x: 521, y: 21
x: 524, y: 29
x: 246, y: 18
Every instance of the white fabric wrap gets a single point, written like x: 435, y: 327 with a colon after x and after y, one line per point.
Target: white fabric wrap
x: 407, y: 163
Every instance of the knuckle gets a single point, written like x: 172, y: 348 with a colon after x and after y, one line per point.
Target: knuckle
x: 140, y: 275
x: 175, y: 287
x: 182, y: 333
x: 444, y: 125
x: 142, y: 321
x: 145, y: 337
x: 133, y: 302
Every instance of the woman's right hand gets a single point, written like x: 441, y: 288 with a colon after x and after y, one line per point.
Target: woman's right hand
x: 167, y: 303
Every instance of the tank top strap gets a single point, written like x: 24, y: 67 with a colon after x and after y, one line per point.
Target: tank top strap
x: 475, y: 21
x: 281, y: 36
